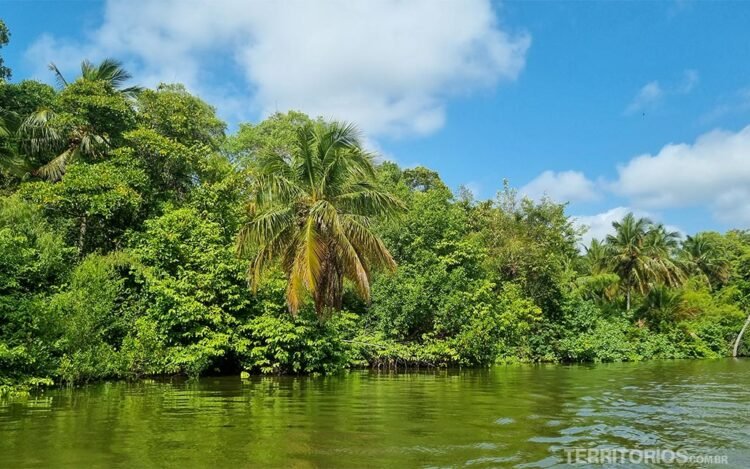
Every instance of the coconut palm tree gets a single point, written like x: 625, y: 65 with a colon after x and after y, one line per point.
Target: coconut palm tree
x: 7, y: 120
x: 626, y: 256
x: 311, y: 210
x: 661, y: 247
x: 599, y: 283
x: 596, y: 257
x: 40, y: 133
x: 641, y: 254
x: 703, y: 257
x: 108, y: 70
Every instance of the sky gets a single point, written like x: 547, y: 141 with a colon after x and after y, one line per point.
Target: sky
x: 612, y: 107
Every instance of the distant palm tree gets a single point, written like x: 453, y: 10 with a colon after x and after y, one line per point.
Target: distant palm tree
x: 108, y: 70
x: 661, y: 246
x: 39, y: 134
x: 599, y: 283
x: 311, y: 210
x: 640, y: 253
x: 596, y: 257
x: 626, y: 254
x: 703, y: 257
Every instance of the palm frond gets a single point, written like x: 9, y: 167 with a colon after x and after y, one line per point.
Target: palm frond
x: 367, y: 242
x: 274, y: 189
x: 37, y: 135
x: 61, y: 81
x: 366, y: 199
x: 353, y: 262
x: 54, y: 170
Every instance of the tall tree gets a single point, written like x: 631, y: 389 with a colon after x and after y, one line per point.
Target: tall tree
x: 109, y: 71
x: 661, y: 247
x: 596, y: 257
x: 312, y: 209
x: 40, y: 134
x: 640, y: 253
x: 704, y: 257
x: 173, y: 112
x: 18, y: 100
x: 85, y: 117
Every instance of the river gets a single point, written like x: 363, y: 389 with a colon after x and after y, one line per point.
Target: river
x: 506, y: 416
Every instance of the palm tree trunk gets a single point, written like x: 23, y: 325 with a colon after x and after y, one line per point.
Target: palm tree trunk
x: 627, y: 297
x: 739, y: 337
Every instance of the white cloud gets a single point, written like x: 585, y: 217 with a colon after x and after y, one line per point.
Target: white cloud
x: 565, y: 186
x: 649, y: 94
x: 714, y: 171
x: 388, y: 66
x: 653, y: 93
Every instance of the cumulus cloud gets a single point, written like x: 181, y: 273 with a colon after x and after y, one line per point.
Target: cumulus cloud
x: 565, y: 186
x: 387, y: 65
x: 713, y: 171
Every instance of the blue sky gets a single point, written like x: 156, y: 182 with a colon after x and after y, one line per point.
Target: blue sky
x: 612, y: 106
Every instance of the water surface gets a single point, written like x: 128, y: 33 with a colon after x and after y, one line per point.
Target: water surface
x: 516, y: 416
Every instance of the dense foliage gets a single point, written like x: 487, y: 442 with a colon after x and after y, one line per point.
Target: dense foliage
x: 129, y: 223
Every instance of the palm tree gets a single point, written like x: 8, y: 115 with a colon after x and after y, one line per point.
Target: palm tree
x: 596, y: 257
x: 703, y: 257
x: 661, y: 247
x: 13, y: 161
x: 40, y: 134
x: 663, y: 305
x: 108, y: 70
x: 626, y: 252
x: 599, y: 284
x: 640, y: 253
x: 311, y: 210
x: 738, y: 340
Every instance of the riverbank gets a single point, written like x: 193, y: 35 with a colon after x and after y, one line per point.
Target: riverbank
x: 373, y: 353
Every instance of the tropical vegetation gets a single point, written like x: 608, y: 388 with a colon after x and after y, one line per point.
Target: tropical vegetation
x: 138, y: 237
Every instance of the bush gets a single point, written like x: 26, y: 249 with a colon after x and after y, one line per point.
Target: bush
x: 192, y: 289
x: 275, y: 344
x: 96, y: 316
x: 33, y: 257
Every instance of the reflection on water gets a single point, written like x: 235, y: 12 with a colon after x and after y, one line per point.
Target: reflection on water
x: 524, y: 416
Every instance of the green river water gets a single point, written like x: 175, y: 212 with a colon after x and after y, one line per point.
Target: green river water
x: 514, y: 416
